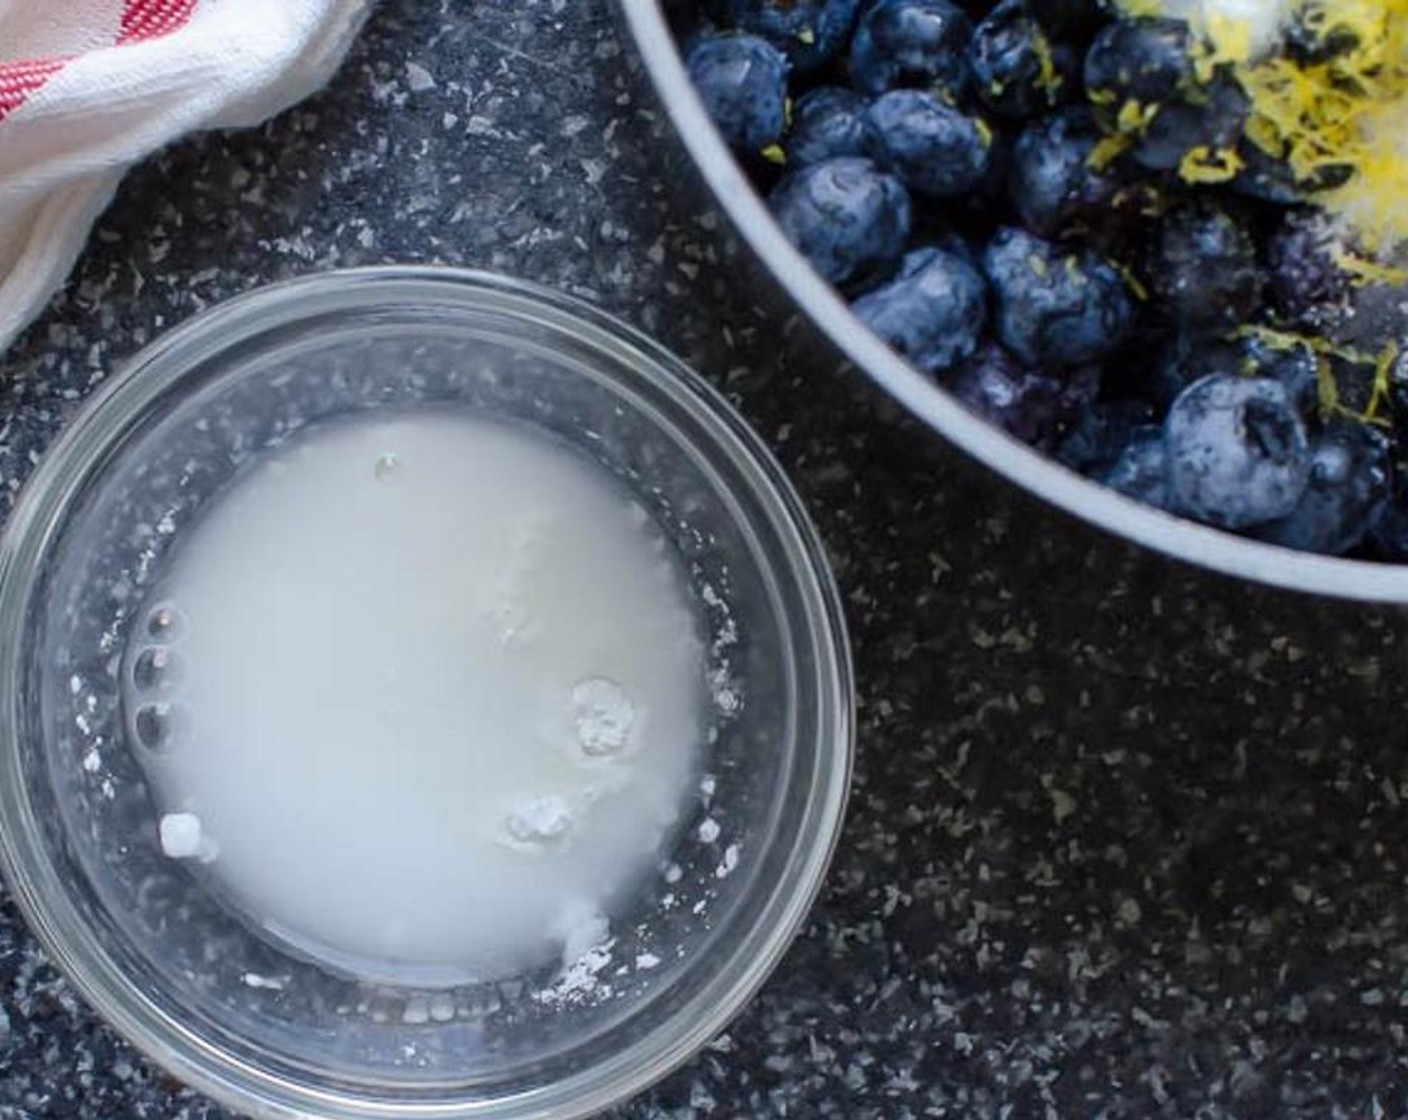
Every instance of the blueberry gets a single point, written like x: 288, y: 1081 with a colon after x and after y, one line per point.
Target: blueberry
x: 1206, y: 269
x: 1055, y: 307
x: 1139, y: 75
x: 936, y: 149
x: 742, y: 81
x: 1188, y: 358
x: 1315, y: 37
x: 1295, y: 365
x: 1237, y: 452
x: 1145, y: 60
x: 918, y: 43
x: 1305, y: 279
x: 1020, y: 400
x: 1101, y: 432
x: 1209, y: 121
x: 1346, y: 493
x: 1270, y: 179
x: 811, y: 33
x: 1017, y: 71
x: 1052, y: 183
x: 849, y: 218
x: 932, y: 313
x: 1180, y: 359
x: 1387, y: 538
x: 829, y: 121
x: 1263, y: 176
x: 1141, y: 471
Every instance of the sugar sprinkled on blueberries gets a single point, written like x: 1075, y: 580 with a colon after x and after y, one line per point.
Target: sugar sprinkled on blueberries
x: 1207, y: 271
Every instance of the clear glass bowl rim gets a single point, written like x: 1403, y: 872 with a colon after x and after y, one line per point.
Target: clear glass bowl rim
x: 82, y: 447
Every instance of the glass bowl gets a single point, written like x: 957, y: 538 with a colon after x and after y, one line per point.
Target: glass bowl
x: 230, y: 1012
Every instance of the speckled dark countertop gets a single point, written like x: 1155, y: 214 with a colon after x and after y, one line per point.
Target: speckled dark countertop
x: 1127, y: 841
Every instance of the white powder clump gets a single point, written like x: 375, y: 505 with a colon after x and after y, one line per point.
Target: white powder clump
x: 578, y: 982
x: 604, y: 716
x: 586, y: 952
x: 182, y: 838
x: 1260, y: 21
x: 537, y: 822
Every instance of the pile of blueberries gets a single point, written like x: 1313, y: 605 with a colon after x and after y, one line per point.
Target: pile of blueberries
x: 966, y: 174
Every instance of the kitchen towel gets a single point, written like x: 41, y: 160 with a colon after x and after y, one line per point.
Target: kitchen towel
x: 89, y: 87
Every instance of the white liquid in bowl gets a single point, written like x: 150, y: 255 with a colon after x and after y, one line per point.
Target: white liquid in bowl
x: 420, y: 695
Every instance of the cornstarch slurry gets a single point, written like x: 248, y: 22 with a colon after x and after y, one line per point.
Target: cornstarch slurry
x: 421, y: 697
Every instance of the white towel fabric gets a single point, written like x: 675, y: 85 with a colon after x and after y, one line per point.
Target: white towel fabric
x: 89, y: 87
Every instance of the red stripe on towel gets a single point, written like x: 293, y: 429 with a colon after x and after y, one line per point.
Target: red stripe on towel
x: 19, y: 79
x: 150, y: 19
x: 141, y: 20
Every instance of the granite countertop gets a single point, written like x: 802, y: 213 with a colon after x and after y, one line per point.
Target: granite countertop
x: 1127, y: 840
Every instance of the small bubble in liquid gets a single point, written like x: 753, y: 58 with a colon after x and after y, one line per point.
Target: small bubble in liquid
x: 166, y: 623
x: 157, y: 669
x: 161, y: 727
x: 388, y: 466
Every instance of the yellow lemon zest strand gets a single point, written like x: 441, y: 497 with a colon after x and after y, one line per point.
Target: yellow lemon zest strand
x: 1378, y: 393
x: 1134, y: 117
x: 1141, y: 293
x: 1209, y: 165
x: 1362, y: 271
x: 1327, y: 386
x: 1048, y: 80
x: 1327, y: 390
x: 1107, y: 150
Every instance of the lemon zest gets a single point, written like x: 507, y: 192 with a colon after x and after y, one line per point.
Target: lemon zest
x: 1337, y: 119
x: 1363, y: 271
x: 1209, y: 165
x: 1107, y: 150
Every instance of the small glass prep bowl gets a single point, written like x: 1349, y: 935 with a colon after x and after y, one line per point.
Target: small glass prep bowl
x: 273, y: 1035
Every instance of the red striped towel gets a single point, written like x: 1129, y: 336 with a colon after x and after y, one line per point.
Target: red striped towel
x: 89, y: 87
